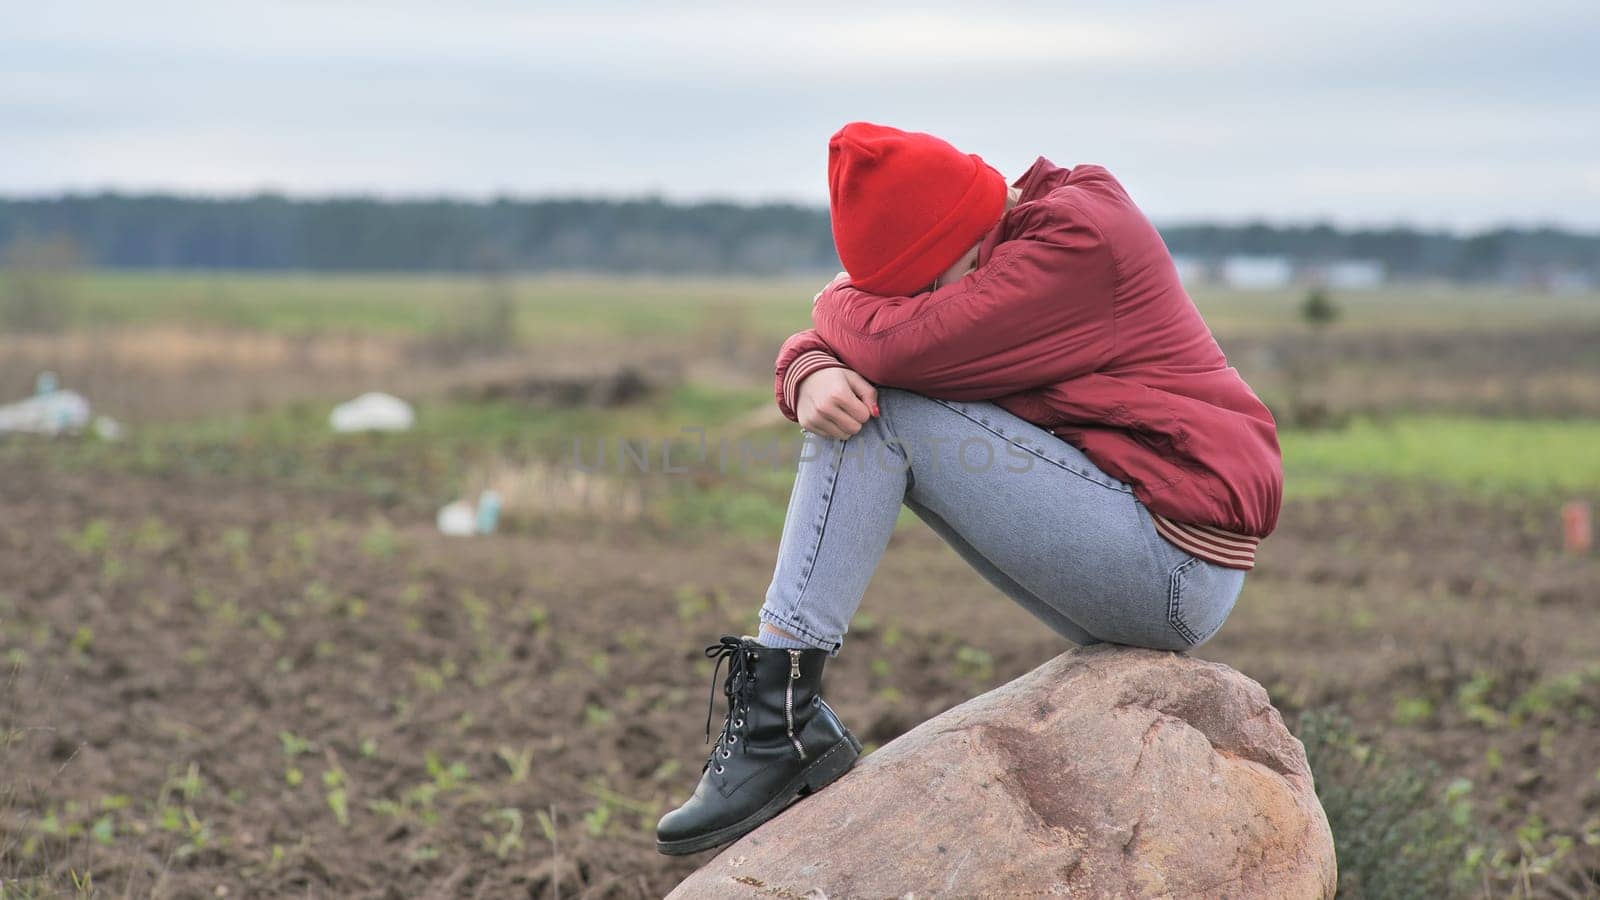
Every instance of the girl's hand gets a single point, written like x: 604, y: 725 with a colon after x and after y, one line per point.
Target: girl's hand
x: 835, y: 403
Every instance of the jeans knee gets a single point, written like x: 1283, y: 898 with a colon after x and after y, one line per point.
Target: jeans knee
x: 901, y: 410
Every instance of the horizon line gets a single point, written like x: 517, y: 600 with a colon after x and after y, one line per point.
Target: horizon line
x: 465, y: 198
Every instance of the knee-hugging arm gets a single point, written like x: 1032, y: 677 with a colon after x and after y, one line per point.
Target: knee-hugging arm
x: 1038, y: 312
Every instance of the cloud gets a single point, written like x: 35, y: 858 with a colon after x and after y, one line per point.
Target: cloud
x: 1467, y: 113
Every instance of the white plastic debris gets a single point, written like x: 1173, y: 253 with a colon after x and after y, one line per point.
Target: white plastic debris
x: 55, y: 412
x: 488, y: 515
x: 457, y: 519
x: 373, y: 412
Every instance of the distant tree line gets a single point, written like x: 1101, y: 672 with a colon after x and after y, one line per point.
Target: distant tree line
x: 649, y: 236
x: 1504, y: 254
x: 356, y: 234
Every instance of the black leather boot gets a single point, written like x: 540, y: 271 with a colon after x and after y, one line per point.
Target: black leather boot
x: 778, y: 742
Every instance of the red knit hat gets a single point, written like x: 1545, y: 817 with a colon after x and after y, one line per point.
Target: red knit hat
x: 906, y: 205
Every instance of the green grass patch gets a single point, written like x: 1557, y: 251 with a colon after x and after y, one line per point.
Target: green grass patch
x: 1404, y: 308
x: 751, y: 505
x: 1479, y: 455
x: 294, y: 445
x: 545, y: 307
x: 735, y: 482
x: 1397, y: 831
x: 459, y: 425
x: 571, y: 306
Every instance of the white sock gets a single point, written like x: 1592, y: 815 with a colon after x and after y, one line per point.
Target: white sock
x: 767, y: 638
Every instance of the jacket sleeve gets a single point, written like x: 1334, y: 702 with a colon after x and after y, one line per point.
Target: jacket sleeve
x: 801, y: 355
x: 1039, y: 311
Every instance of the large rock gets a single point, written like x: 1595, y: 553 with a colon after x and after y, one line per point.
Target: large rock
x: 1106, y: 772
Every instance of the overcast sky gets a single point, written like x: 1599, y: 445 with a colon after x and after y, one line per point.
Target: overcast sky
x: 1458, y: 114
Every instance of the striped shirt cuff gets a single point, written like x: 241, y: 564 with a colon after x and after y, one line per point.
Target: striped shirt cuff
x: 804, y: 366
x: 1225, y: 548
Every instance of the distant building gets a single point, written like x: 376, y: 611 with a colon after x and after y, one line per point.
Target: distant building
x: 1257, y: 273
x: 1569, y: 282
x: 1352, y: 274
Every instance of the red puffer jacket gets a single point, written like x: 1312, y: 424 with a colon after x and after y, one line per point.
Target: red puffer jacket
x: 1075, y: 320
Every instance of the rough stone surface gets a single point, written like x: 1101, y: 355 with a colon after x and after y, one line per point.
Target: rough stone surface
x: 1106, y: 772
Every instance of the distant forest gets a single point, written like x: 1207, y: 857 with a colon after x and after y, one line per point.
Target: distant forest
x: 653, y: 236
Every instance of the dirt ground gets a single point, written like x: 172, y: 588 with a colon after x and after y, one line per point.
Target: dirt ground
x: 164, y: 374
x: 183, y: 373
x: 224, y: 688
x: 1521, y: 372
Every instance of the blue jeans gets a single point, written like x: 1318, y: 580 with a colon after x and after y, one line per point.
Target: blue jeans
x: 1026, y: 509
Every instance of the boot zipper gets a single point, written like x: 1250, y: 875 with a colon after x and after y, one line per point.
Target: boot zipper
x: 788, y: 700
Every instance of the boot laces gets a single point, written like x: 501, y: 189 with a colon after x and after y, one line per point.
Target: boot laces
x: 735, y: 688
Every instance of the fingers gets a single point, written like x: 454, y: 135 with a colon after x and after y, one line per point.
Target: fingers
x: 843, y: 425
x: 831, y: 418
x: 864, y: 389
x: 836, y: 403
x: 850, y: 404
x: 826, y: 428
x: 816, y: 421
x: 816, y: 424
